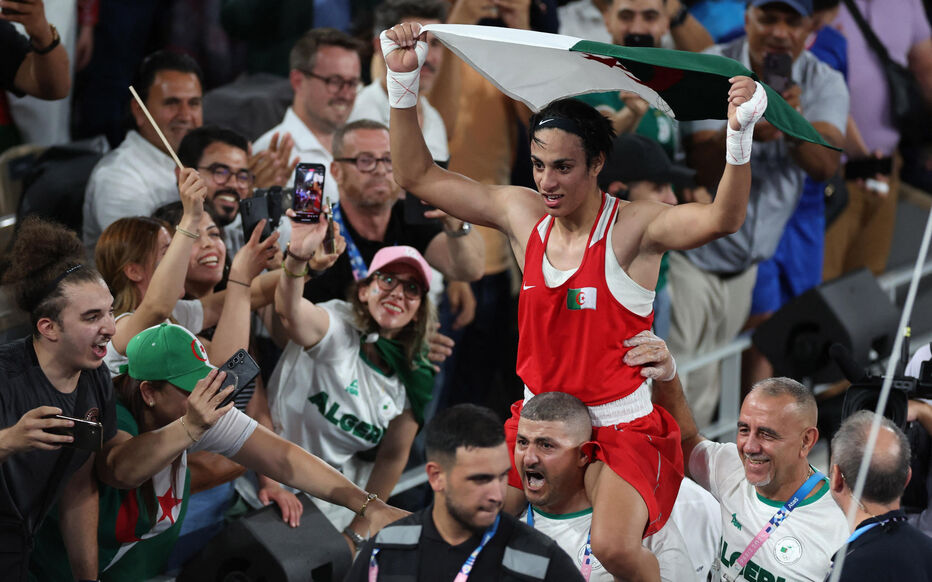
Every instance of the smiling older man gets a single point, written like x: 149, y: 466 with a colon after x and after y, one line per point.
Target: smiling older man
x: 765, y: 482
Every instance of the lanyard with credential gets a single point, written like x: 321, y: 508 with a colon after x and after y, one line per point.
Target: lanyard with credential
x: 734, y: 571
x: 586, y: 567
x: 360, y: 270
x: 465, y: 569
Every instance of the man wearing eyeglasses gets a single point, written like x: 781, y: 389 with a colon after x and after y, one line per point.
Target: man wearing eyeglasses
x: 371, y: 216
x: 139, y: 175
x: 220, y: 155
x: 325, y: 74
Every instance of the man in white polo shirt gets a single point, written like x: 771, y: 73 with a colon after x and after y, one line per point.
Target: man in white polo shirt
x: 325, y: 75
x: 139, y: 175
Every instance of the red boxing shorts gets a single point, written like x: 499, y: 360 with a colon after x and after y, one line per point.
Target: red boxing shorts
x: 646, y: 453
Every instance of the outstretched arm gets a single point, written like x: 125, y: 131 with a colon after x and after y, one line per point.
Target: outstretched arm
x: 305, y: 323
x: 651, y: 353
x: 269, y: 454
x: 413, y: 167
x: 167, y: 283
x: 690, y: 225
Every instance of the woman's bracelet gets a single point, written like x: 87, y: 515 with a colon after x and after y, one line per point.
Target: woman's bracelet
x: 188, y: 233
x: 238, y: 282
x: 297, y: 257
x: 185, y: 427
x: 307, y: 269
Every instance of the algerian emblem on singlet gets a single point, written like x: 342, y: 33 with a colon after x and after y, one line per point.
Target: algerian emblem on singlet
x: 581, y: 298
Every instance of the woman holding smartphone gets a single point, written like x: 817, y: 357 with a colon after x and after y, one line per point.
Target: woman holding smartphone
x: 353, y: 376
x: 170, y: 394
x: 147, y: 264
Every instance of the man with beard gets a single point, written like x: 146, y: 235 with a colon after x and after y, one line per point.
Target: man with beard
x: 325, y: 75
x: 552, y: 452
x: 221, y: 156
x: 464, y: 533
x: 765, y: 476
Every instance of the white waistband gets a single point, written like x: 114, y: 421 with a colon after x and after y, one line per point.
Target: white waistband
x: 627, y: 409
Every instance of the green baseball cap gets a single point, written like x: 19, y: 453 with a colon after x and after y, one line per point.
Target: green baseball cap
x: 168, y: 352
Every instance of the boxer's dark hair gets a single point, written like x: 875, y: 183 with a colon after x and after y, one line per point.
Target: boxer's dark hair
x: 574, y: 116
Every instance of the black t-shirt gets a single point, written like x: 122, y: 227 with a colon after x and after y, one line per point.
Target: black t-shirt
x: 335, y: 282
x: 23, y: 386
x: 13, y: 49
x: 890, y: 552
x: 439, y: 561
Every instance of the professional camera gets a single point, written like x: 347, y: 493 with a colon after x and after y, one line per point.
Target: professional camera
x: 864, y: 392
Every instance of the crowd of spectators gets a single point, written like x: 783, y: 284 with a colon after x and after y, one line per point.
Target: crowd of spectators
x: 389, y: 311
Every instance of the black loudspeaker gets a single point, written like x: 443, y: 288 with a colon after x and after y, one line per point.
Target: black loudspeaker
x: 851, y: 310
x: 260, y: 547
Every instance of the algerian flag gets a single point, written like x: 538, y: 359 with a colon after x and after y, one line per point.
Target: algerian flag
x: 536, y: 68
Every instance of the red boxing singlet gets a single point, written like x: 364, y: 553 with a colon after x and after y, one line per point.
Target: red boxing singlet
x: 571, y: 336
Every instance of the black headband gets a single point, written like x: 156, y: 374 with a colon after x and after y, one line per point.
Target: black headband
x: 564, y: 123
x: 51, y: 287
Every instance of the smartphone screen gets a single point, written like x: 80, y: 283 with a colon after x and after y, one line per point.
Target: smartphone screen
x: 308, y: 192
x: 778, y: 71
x: 241, y: 369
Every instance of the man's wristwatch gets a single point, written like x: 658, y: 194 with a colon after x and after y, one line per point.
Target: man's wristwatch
x: 461, y: 231
x: 56, y: 40
x: 680, y: 17
x: 354, y: 537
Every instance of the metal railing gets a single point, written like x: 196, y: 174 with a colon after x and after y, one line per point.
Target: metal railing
x: 730, y: 357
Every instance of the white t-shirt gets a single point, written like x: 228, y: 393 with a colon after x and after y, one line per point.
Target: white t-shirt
x: 307, y: 148
x: 372, y: 103
x: 697, y: 512
x: 188, y: 313
x: 328, y: 398
x: 571, y: 531
x: 800, y: 549
x: 132, y: 180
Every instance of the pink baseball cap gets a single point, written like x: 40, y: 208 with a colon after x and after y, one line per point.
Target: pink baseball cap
x: 402, y: 254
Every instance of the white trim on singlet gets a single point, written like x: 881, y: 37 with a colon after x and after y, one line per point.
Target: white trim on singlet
x: 627, y: 409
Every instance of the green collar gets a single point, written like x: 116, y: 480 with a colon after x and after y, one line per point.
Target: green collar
x: 822, y: 490
x: 572, y: 515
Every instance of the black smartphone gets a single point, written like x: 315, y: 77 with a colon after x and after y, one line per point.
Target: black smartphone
x: 88, y: 435
x: 241, y: 369
x: 274, y: 197
x: 864, y: 168
x: 778, y: 71
x: 308, y: 192
x: 414, y: 210
x: 252, y: 210
x: 644, y: 40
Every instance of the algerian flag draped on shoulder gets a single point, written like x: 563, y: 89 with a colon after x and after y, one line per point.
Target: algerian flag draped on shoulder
x: 537, y: 67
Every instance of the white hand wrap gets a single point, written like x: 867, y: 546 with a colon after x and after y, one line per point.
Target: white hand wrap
x: 738, y: 142
x: 402, y: 87
x: 673, y: 374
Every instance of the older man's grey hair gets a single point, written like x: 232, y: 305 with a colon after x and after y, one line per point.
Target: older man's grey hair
x: 888, y: 472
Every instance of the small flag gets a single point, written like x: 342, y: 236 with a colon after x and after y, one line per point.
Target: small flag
x: 581, y: 298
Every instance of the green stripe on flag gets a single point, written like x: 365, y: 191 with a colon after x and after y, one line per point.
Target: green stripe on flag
x: 695, y: 85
